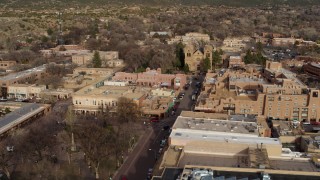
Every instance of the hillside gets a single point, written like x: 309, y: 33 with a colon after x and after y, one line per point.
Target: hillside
x: 63, y: 3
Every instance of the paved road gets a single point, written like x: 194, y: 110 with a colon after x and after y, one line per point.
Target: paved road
x: 145, y: 154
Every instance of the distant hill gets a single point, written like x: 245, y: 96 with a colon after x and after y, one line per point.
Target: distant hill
x: 26, y: 3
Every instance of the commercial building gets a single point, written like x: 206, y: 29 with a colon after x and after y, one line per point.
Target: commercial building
x: 153, y: 78
x: 21, y: 77
x: 194, y: 57
x: 276, y: 93
x: 220, y: 137
x: 25, y: 91
x: 92, y: 99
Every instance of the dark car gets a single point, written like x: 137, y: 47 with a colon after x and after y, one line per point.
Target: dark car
x: 165, y: 128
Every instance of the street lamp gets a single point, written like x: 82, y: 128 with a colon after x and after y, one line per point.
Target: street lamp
x: 155, y: 153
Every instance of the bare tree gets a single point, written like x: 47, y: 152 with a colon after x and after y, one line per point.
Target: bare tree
x: 96, y: 141
x: 6, y: 156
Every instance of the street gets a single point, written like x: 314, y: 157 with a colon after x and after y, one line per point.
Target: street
x: 145, y: 154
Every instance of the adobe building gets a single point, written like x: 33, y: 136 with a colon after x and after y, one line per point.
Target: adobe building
x: 276, y: 93
x: 7, y: 64
x: 93, y: 99
x: 21, y: 77
x: 108, y: 58
x: 235, y: 44
x: 93, y: 71
x: 190, y: 38
x: 235, y: 61
x: 194, y: 57
x: 153, y: 78
x: 25, y: 91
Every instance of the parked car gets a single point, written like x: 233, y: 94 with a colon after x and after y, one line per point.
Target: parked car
x: 165, y: 128
x: 163, y: 142
x: 154, y: 119
x: 160, y: 150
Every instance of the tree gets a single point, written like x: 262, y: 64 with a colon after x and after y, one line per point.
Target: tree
x: 180, y: 55
x: 248, y: 58
x: 97, y: 142
x: 186, y: 68
x: 6, y: 160
x: 216, y: 58
x: 127, y: 111
x: 49, y: 31
x: 40, y: 139
x: 96, y: 60
x: 206, y: 64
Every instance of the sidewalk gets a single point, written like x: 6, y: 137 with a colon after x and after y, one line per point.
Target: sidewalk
x: 133, y: 154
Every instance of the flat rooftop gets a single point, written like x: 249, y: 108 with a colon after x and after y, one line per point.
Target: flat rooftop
x: 205, y: 136
x: 288, y: 74
x: 248, y: 79
x: 217, y: 125
x: 23, y: 73
x: 111, y: 91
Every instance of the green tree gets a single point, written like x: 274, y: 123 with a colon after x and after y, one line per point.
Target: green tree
x: 206, y: 64
x: 216, y: 58
x: 49, y: 31
x: 248, y: 58
x: 186, y: 68
x: 96, y: 60
x: 180, y: 55
x: 259, y: 47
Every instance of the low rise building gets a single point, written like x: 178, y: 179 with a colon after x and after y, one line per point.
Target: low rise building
x: 7, y: 64
x: 153, y: 78
x: 115, y: 83
x: 55, y: 94
x: 93, y: 71
x: 190, y: 38
x: 25, y: 91
x: 235, y: 61
x: 199, y: 140
x: 93, y: 99
x: 285, y: 41
x: 280, y: 95
x: 63, y: 50
x: 21, y: 77
x: 108, y: 58
x: 235, y: 44
x: 163, y: 92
